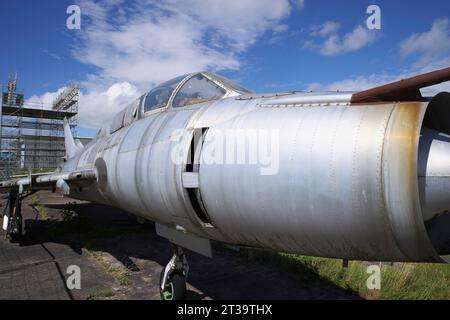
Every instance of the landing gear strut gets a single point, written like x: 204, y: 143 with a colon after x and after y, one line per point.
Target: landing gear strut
x: 12, y: 216
x: 173, y: 276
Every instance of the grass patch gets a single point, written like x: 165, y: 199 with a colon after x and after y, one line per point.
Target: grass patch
x: 42, y: 211
x: 121, y: 275
x: 69, y: 213
x: 398, y: 281
x: 118, y: 273
x: 34, y: 200
x: 108, y: 293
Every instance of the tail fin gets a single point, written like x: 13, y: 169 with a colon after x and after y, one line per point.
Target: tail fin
x: 71, y: 147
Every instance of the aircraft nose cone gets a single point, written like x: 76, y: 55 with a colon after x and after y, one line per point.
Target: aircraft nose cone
x: 434, y: 186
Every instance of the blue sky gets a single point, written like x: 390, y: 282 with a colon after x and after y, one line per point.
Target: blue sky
x: 124, y: 48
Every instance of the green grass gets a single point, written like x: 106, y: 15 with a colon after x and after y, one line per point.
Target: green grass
x: 121, y: 275
x: 34, y: 200
x: 42, y: 211
x: 118, y: 273
x: 398, y: 281
x: 68, y: 214
x: 101, y: 294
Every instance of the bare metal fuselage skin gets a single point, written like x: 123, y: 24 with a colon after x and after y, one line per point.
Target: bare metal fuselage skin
x: 346, y: 184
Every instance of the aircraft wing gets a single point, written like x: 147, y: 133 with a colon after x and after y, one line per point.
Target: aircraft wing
x: 403, y: 90
x: 49, y: 181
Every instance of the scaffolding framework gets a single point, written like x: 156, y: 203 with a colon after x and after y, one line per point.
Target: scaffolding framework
x: 32, y: 136
x: 64, y: 105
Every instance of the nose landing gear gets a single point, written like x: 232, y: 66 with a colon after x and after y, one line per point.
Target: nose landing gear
x: 12, y: 214
x: 12, y: 217
x: 173, y: 276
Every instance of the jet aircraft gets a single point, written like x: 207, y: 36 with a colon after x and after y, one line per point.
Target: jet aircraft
x: 350, y: 175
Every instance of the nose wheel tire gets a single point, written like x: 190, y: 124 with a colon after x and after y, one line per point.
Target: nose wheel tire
x: 175, y: 288
x: 12, y: 217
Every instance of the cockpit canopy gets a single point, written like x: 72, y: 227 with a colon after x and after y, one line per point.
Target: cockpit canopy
x: 182, y: 91
x: 191, y: 89
x: 159, y: 96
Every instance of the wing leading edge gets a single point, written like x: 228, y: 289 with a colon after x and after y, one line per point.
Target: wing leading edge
x: 403, y: 90
x: 48, y: 181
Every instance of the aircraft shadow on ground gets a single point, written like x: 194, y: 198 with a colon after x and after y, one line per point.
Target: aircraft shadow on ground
x: 228, y: 276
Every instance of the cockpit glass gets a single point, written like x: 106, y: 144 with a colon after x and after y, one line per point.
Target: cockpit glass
x: 196, y: 90
x: 233, y: 85
x: 159, y: 96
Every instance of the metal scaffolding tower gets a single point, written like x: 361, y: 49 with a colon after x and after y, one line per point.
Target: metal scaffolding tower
x: 67, y: 101
x: 32, y: 136
x: 11, y: 127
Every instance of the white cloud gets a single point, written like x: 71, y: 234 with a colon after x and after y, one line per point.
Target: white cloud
x: 45, y: 100
x: 363, y: 82
x: 159, y: 40
x: 430, y: 45
x: 300, y: 4
x: 326, y: 40
x: 102, y: 104
x: 352, y: 41
x: 280, y: 28
x: 433, y: 48
x: 98, y: 107
x: 140, y: 44
x: 324, y: 29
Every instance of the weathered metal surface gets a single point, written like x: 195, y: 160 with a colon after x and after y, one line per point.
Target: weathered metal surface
x: 310, y: 99
x: 401, y: 183
x: 346, y: 186
x: 326, y: 199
